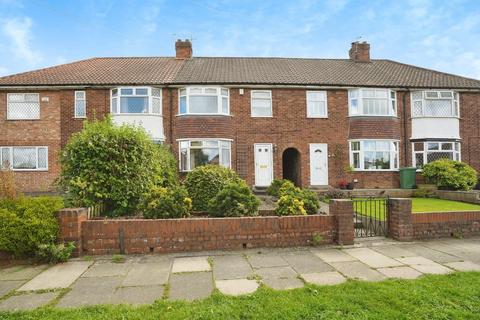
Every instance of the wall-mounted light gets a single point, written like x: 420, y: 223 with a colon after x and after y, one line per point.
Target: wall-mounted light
x: 45, y: 99
x: 240, y: 91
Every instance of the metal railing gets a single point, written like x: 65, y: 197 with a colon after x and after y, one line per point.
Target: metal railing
x: 370, y: 217
x: 95, y: 211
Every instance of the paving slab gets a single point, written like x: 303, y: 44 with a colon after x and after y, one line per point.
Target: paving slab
x: 276, y: 272
x: 372, y: 258
x: 357, y: 270
x: 333, y: 255
x: 231, y: 267
x: 416, y: 260
x: 284, y: 283
x: 236, y: 287
x: 393, y: 251
x: 137, y: 295
x: 59, y: 276
x: 463, y: 266
x: 267, y: 260
x: 431, y: 254
x: 27, y: 301
x: 90, y: 291
x: 147, y: 274
x: 104, y: 268
x: 190, y: 264
x: 432, y: 268
x: 306, y: 262
x: 21, y: 272
x: 400, y: 272
x: 324, y: 278
x: 7, y: 286
x: 190, y: 286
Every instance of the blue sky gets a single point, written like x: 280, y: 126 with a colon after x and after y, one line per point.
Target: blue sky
x: 443, y: 35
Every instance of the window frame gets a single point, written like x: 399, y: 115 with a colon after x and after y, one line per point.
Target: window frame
x: 75, y: 113
x: 394, y: 154
x: 455, y: 99
x: 219, y: 147
x: 219, y: 94
x: 251, y: 103
x: 309, y: 112
x: 9, y: 117
x: 11, y: 148
x: 149, y: 96
x: 391, y: 102
x: 425, y: 151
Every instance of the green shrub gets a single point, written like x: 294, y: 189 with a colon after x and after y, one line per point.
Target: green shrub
x: 55, y: 253
x: 204, y: 182
x: 114, y: 165
x: 166, y: 203
x: 26, y: 222
x: 450, y: 174
x: 288, y: 205
x: 309, y: 198
x: 234, y: 200
x: 274, y: 188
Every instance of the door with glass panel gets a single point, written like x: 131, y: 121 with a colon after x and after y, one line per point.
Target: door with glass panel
x: 263, y: 164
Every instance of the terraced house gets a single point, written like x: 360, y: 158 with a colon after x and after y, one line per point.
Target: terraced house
x: 302, y: 119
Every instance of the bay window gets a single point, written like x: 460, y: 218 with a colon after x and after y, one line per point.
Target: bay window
x: 204, y: 100
x: 24, y: 158
x: 374, y: 154
x: 372, y: 102
x: 136, y: 100
x: 428, y: 151
x: 435, y: 103
x: 194, y: 153
x: 23, y: 106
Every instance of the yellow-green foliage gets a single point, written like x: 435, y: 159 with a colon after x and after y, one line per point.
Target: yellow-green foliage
x: 288, y: 205
x: 450, y: 174
x: 166, y: 203
x: 234, y: 200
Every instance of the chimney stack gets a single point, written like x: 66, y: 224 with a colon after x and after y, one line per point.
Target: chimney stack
x: 360, y: 52
x: 183, y: 49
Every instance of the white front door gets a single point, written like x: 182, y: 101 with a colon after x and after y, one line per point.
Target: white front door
x: 263, y: 164
x: 318, y: 164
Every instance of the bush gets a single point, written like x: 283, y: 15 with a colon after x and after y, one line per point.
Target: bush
x: 288, y: 205
x: 55, y: 253
x: 450, y: 174
x: 274, y: 188
x: 309, y: 198
x: 7, y: 184
x: 166, y: 203
x: 114, y: 165
x: 234, y: 200
x: 204, y: 182
x: 25, y: 223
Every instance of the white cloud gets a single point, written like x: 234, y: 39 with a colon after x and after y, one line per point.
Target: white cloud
x: 3, y: 71
x: 19, y: 32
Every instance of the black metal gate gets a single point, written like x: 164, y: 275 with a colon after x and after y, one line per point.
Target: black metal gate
x: 370, y: 217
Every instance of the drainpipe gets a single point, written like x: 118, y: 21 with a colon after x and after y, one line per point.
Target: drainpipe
x: 170, y: 106
x: 405, y: 147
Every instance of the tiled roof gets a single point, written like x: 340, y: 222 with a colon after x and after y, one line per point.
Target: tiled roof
x: 101, y: 71
x: 230, y: 70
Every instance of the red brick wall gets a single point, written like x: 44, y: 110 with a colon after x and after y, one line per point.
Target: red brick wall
x: 470, y: 128
x: 446, y: 224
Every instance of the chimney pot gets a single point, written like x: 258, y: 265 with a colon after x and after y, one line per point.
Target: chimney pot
x: 183, y: 49
x: 360, y: 52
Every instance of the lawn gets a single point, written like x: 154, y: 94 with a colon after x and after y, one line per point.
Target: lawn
x: 453, y: 296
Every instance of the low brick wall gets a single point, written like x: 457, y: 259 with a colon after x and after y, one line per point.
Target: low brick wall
x: 445, y: 224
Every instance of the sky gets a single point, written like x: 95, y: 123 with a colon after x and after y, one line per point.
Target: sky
x: 440, y: 35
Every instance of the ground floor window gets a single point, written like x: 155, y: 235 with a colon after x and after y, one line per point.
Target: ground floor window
x: 194, y: 153
x: 24, y: 158
x: 374, y: 154
x: 428, y: 151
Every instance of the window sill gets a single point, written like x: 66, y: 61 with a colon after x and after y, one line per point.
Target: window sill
x: 431, y: 117
x: 30, y: 119
x: 261, y: 116
x: 375, y: 170
x: 371, y: 116
x: 136, y: 114
x: 80, y: 118
x: 203, y: 115
x: 319, y: 117
x: 29, y: 170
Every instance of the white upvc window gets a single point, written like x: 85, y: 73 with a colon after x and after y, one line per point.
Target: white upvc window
x: 428, y: 151
x: 24, y: 158
x: 136, y: 100
x: 317, y: 104
x: 198, y: 152
x: 23, y: 106
x: 204, y: 101
x: 80, y: 104
x: 435, y: 104
x: 261, y: 103
x: 374, y: 155
x: 372, y: 102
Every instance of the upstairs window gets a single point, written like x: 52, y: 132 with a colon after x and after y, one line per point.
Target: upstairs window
x: 437, y: 104
x: 428, y: 151
x: 261, y: 103
x: 136, y: 100
x: 80, y: 104
x: 372, y: 102
x: 374, y: 154
x: 194, y: 153
x: 23, y: 106
x: 24, y: 158
x: 204, y: 100
x: 316, y: 104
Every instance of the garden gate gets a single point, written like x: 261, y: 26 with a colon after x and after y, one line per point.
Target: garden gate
x: 370, y: 217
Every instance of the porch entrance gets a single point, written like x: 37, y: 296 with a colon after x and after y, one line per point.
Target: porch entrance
x: 291, y: 166
x: 370, y: 217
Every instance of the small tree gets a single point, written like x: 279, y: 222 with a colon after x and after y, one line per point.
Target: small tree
x: 114, y: 165
x: 7, y: 183
x: 450, y: 174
